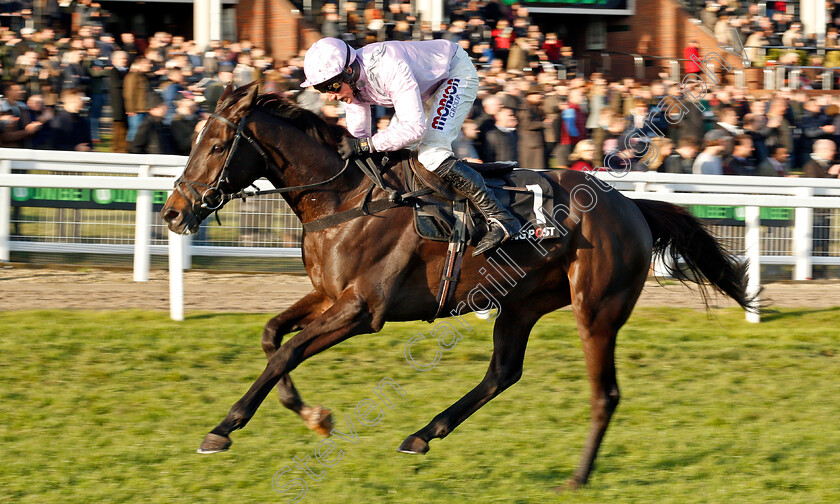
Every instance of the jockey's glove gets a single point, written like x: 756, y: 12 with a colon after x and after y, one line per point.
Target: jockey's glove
x: 350, y: 147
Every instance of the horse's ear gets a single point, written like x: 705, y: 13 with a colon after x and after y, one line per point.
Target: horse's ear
x: 245, y: 103
x: 253, y: 94
x: 228, y: 90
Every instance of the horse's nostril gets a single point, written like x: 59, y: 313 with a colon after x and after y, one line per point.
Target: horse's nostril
x: 170, y: 215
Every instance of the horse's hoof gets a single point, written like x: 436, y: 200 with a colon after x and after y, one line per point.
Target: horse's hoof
x: 214, y: 443
x: 318, y: 419
x: 414, y: 444
x: 570, y: 485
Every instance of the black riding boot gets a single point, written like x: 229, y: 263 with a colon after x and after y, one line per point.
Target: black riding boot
x: 469, y: 183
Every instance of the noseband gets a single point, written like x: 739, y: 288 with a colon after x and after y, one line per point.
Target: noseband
x: 212, y: 197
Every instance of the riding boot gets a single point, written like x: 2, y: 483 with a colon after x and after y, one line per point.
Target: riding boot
x: 469, y: 183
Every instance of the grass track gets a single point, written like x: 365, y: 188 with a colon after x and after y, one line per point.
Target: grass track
x: 110, y: 406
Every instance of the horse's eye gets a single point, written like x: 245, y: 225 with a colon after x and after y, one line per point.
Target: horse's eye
x: 217, y: 149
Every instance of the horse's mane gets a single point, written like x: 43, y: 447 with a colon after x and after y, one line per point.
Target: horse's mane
x: 280, y: 107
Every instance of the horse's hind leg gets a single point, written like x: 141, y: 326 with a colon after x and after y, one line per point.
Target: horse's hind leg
x: 599, y: 318
x: 295, y: 318
x: 510, y: 337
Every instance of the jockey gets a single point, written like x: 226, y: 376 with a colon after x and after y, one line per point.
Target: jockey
x: 431, y: 85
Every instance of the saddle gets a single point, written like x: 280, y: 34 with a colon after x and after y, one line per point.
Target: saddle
x: 523, y: 192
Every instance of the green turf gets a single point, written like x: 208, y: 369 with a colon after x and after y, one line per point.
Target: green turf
x: 110, y: 407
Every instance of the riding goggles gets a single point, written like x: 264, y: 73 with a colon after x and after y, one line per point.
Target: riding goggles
x: 330, y: 86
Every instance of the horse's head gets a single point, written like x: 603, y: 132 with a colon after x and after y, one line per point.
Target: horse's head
x: 208, y: 181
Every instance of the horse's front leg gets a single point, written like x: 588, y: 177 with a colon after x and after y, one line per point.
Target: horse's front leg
x: 347, y: 317
x: 295, y: 318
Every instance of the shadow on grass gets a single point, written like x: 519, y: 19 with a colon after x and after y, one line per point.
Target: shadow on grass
x: 222, y: 315
x: 774, y: 315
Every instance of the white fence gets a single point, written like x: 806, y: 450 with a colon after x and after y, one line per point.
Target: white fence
x: 147, y: 173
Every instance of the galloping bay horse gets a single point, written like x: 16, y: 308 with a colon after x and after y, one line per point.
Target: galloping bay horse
x: 375, y: 268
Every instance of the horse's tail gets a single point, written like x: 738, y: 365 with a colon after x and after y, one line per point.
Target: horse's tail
x: 678, y: 234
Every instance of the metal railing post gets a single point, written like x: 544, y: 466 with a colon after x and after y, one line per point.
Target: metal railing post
x: 780, y: 77
x: 176, y: 276
x: 793, y: 82
x: 5, y: 213
x: 143, y: 230
x: 752, y: 242
x: 740, y: 78
x: 639, y: 63
x: 606, y: 63
x: 561, y: 71
x: 768, y: 78
x: 828, y: 80
x: 675, y: 70
x: 187, y: 251
x: 803, y: 228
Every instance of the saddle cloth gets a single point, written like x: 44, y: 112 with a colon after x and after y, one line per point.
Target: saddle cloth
x: 519, y: 190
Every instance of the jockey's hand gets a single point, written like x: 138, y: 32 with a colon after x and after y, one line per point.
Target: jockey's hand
x: 350, y: 147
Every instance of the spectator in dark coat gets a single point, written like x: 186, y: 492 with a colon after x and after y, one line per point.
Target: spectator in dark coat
x: 486, y: 121
x: 153, y: 136
x: 16, y: 124
x: 69, y: 129
x: 129, y: 46
x: 116, y: 76
x: 728, y: 121
x: 567, y: 59
x: 741, y: 161
x: 682, y: 159
x: 776, y: 131
x: 74, y: 75
x: 691, y: 124
x: 464, y: 146
x: 216, y: 87
x: 627, y: 158
x: 43, y: 114
x: 183, y: 125
x: 94, y: 66
x: 754, y: 124
x: 136, y: 92
x: 501, y: 142
x: 821, y: 164
x: 774, y: 165
x: 814, y: 125
x: 171, y: 92
x: 31, y: 73
x: 531, y: 131
x: 330, y: 26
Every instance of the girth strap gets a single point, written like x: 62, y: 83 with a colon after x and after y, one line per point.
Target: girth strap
x: 373, y: 207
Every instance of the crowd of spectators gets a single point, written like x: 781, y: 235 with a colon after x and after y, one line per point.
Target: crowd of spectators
x: 94, y: 90
x: 775, y: 24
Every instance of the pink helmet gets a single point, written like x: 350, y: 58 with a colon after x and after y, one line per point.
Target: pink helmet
x: 326, y: 59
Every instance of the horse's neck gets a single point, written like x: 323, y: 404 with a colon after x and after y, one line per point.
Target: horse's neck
x: 307, y: 161
x: 310, y: 204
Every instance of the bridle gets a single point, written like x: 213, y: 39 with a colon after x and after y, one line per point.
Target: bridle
x: 211, y: 198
